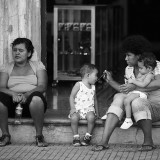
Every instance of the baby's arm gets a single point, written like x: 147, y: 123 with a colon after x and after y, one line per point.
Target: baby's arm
x: 96, y: 105
x: 154, y: 85
x: 143, y: 83
x: 74, y: 91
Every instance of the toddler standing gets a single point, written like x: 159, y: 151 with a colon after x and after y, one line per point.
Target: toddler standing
x: 83, y: 103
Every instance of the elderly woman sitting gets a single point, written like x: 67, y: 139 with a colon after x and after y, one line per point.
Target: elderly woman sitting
x: 23, y: 81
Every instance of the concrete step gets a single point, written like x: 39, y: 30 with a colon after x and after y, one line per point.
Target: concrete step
x: 59, y: 131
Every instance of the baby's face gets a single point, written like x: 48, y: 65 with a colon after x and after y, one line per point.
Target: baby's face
x: 142, y: 68
x: 93, y: 76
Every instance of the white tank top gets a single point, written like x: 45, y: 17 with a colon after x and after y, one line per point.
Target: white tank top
x: 85, y: 97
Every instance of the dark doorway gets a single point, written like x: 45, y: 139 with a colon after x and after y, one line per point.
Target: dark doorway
x: 143, y: 18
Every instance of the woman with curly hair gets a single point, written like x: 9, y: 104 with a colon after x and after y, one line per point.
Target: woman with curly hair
x: 143, y: 110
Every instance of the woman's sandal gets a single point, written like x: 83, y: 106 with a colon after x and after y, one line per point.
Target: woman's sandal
x: 99, y: 148
x: 40, y: 141
x: 146, y: 147
x: 5, y: 140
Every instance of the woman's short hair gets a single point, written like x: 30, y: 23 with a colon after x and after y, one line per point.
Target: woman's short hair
x: 28, y: 44
x: 87, y: 68
x: 136, y: 44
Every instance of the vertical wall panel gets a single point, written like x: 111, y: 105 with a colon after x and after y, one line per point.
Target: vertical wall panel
x: 36, y: 22
x: 19, y: 18
x: 11, y: 25
x: 1, y: 30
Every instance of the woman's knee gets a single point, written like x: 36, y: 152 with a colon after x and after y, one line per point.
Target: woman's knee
x: 118, y: 95
x: 2, y: 107
x: 138, y: 105
x: 118, y: 100
x: 36, y: 100
x: 36, y: 105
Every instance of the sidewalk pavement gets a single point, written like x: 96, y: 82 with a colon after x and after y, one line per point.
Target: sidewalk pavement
x: 68, y: 152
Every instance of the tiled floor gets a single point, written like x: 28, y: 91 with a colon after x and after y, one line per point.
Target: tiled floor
x: 58, y: 98
x: 68, y: 152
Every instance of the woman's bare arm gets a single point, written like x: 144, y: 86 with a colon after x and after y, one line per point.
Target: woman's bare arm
x: 96, y: 105
x: 124, y: 88
x: 3, y: 87
x: 108, y: 78
x: 3, y: 84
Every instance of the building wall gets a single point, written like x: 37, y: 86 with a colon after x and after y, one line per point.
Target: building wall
x: 19, y: 18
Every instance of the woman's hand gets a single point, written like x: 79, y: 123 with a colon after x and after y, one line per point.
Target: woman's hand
x: 107, y: 76
x: 126, y: 88
x: 16, y: 97
x: 24, y: 98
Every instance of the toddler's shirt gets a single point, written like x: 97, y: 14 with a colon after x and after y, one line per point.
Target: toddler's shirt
x: 84, y: 99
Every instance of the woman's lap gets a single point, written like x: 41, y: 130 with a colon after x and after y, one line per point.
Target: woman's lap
x: 145, y: 109
x: 7, y: 101
x: 141, y: 108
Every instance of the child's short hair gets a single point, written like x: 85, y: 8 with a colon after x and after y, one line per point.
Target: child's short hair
x: 87, y: 68
x: 149, y: 59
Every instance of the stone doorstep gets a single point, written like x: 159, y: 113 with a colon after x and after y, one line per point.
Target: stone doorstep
x: 66, y: 122
x: 59, y: 131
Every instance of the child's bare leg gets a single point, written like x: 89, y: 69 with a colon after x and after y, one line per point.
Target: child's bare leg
x: 91, y: 122
x: 74, y: 123
x: 127, y: 103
